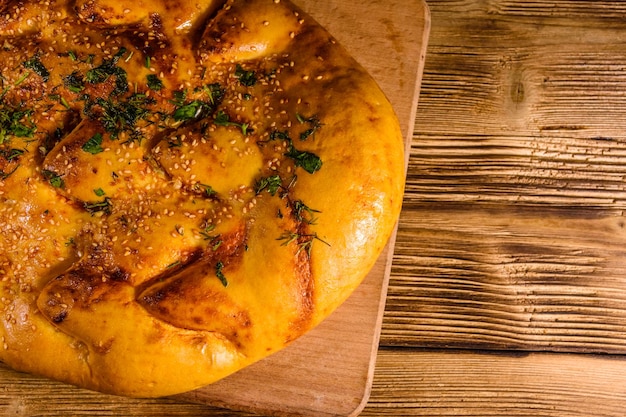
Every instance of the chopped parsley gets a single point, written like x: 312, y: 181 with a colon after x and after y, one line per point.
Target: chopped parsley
x: 37, y: 66
x: 53, y: 178
x: 271, y: 184
x: 93, y: 145
x: 103, y: 206
x: 222, y: 119
x: 217, y: 243
x: 219, y: 274
x: 74, y: 82
x: 15, y: 122
x: 307, y: 160
x: 179, y: 97
x: 123, y: 115
x: 154, y: 82
x: 206, y: 232
x: 196, y: 109
x: 246, y: 78
x: 215, y: 240
x: 278, y: 135
x: 215, y: 93
x: 314, y: 123
x: 107, y: 69
x: 188, y: 111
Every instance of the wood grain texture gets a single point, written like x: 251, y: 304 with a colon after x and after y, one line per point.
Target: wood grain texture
x: 540, y: 281
x: 484, y: 384
x: 512, y: 235
x: 329, y: 371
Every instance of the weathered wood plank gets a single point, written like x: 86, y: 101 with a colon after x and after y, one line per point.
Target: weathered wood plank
x: 502, y: 278
x: 542, y: 170
x: 329, y: 371
x: 512, y: 234
x: 533, y: 67
x: 486, y: 384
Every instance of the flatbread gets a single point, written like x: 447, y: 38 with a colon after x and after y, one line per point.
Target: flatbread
x: 185, y: 187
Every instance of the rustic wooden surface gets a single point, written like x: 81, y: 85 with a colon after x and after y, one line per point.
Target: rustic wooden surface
x: 508, y: 289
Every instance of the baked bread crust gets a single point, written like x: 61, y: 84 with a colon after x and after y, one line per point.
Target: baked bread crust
x: 185, y: 187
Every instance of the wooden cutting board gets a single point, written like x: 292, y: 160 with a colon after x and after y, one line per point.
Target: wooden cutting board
x: 329, y: 371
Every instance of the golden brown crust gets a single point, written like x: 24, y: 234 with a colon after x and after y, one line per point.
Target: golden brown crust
x: 185, y: 187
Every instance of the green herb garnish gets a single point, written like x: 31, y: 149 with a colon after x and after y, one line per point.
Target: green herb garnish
x: 74, y: 82
x: 103, y: 206
x: 93, y: 145
x: 154, y: 82
x: 312, y: 121
x: 220, y: 275
x: 64, y: 102
x: 206, y: 189
x: 197, y: 109
x: 53, y: 178
x: 271, y: 184
x: 304, y: 213
x: 215, y: 93
x: 246, y: 78
x: 15, y: 122
x: 11, y: 154
x: 222, y: 119
x: 108, y: 68
x: 206, y: 232
x: 304, y: 241
x: 37, y: 66
x: 214, y: 240
x: 123, y: 115
x: 179, y: 97
x: 307, y: 160
x: 173, y: 264
x: 191, y: 110
x: 277, y: 135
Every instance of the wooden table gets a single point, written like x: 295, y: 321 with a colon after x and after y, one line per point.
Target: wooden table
x: 507, y: 294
